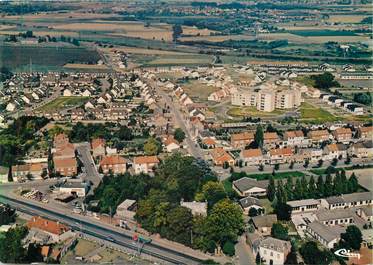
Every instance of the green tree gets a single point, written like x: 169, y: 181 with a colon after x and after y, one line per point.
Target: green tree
x: 328, y: 186
x: 271, y: 189
x: 313, y: 255
x: 352, y: 238
x: 11, y: 246
x: 179, y: 225
x: 320, y: 186
x: 298, y: 190
x: 325, y: 81
x: 283, y: 211
x: 337, y: 184
x: 228, y: 248
x: 152, y: 146
x: 279, y: 231
x: 311, y: 188
x: 213, y: 192
x: 280, y: 193
x: 289, y: 187
x: 353, y: 183
x: 344, y: 182
x: 253, y: 212
x: 177, y: 30
x: 258, y: 259
x: 179, y: 135
x: 259, y: 136
x: 225, y: 222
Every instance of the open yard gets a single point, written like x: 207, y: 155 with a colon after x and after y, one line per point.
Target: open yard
x: 312, y: 114
x: 63, y: 102
x: 198, y: 91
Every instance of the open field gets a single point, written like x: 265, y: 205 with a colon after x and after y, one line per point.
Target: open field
x: 217, y: 38
x: 14, y: 56
x: 144, y: 51
x: 86, y: 66
x: 196, y: 31
x: 252, y: 112
x: 41, y: 33
x: 62, y: 16
x: 62, y: 103
x: 129, y: 29
x: 322, y: 33
x: 198, y: 91
x: 346, y: 18
x: 313, y: 37
x: 180, y: 60
x: 310, y: 113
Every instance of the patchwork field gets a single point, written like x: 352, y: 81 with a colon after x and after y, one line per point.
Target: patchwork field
x: 144, y: 51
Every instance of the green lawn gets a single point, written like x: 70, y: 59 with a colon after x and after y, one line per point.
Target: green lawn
x: 267, y: 206
x: 63, y: 102
x: 312, y: 114
x: 227, y: 186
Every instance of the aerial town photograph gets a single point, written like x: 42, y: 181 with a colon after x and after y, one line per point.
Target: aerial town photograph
x: 233, y: 132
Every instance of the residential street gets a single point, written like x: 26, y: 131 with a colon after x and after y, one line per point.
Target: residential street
x: 193, y: 147
x: 91, y: 173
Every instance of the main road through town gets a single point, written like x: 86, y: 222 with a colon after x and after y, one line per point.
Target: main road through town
x: 100, y: 231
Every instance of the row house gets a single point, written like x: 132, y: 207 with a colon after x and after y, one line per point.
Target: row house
x: 281, y: 155
x: 271, y: 139
x: 35, y: 170
x: 98, y: 147
x: 365, y: 132
x: 361, y: 150
x: 252, y: 157
x: 65, y: 166
x: 310, y: 154
x: 295, y: 138
x: 113, y: 164
x: 220, y: 157
x: 145, y: 164
x: 335, y: 151
x: 240, y: 140
x: 318, y: 135
x: 343, y: 135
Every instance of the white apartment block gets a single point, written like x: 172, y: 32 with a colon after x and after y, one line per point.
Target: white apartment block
x: 266, y: 101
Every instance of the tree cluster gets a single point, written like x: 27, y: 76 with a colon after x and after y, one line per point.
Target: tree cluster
x: 313, y: 255
x: 18, y: 138
x: 185, y: 178
x: 324, y: 81
x: 303, y: 189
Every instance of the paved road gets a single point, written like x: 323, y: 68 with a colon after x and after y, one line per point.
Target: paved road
x: 122, y: 239
x: 85, y: 156
x: 243, y: 251
x: 193, y: 147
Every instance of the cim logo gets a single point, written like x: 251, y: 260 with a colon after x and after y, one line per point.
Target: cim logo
x: 346, y: 253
